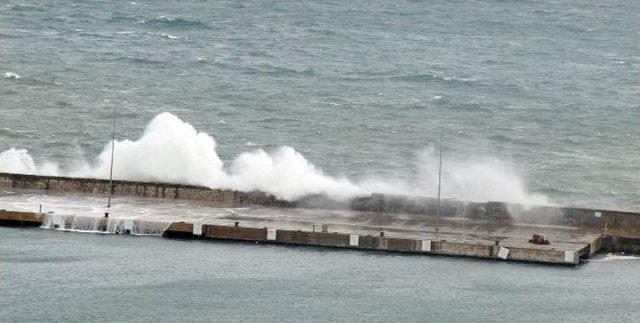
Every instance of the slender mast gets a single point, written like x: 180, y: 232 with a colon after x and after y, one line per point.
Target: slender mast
x: 113, y: 143
x: 439, y: 184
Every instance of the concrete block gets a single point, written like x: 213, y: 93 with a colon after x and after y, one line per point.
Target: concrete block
x: 536, y: 255
x: 503, y: 253
x: 178, y: 230
x: 312, y: 238
x: 370, y: 242
x: 234, y: 233
x: 467, y: 249
x: 397, y: 244
x: 271, y: 234
x: 425, y: 246
x: 197, y: 229
x: 595, y: 245
x: 570, y: 256
x: 354, y: 240
x: 621, y: 244
x: 21, y: 219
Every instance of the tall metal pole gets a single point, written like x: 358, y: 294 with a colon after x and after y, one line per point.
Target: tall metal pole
x: 439, y: 185
x: 113, y: 144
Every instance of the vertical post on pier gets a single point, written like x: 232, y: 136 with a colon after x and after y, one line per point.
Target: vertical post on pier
x: 113, y: 144
x: 439, y: 184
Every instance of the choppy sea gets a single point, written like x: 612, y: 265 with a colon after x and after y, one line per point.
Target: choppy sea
x: 361, y: 89
x: 537, y: 101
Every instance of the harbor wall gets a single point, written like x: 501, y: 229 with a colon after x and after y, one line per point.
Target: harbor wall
x: 19, y: 219
x: 527, y: 253
x: 138, y: 189
x: 615, y: 244
x: 588, y: 219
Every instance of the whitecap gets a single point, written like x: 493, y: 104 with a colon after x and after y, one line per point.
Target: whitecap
x: 613, y: 256
x: 170, y: 36
x: 222, y: 121
x: 11, y: 76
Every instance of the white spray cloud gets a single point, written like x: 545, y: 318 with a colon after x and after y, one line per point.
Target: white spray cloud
x: 286, y: 174
x: 17, y: 161
x: 171, y: 150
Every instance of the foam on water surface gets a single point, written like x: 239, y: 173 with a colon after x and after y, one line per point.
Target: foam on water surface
x: 615, y: 257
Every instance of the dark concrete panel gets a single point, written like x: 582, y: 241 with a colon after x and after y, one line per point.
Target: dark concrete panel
x: 234, y: 233
x: 312, y: 238
x: 20, y: 219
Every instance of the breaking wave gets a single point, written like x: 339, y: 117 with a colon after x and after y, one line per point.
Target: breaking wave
x: 171, y: 150
x: 178, y: 23
x: 10, y: 75
x: 614, y: 257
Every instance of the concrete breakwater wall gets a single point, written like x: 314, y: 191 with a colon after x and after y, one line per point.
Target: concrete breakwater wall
x: 349, y: 240
x: 138, y: 189
x: 618, y: 222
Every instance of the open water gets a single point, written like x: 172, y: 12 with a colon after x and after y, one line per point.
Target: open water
x: 538, y: 102
x: 359, y: 88
x: 57, y: 276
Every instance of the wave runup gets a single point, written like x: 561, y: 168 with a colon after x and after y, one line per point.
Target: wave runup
x: 171, y: 150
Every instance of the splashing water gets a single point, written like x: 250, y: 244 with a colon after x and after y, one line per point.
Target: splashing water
x: 171, y: 150
x: 102, y: 225
x: 11, y: 76
x: 614, y: 257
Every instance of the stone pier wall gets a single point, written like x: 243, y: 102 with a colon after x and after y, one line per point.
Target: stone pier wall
x: 622, y: 223
x: 139, y: 189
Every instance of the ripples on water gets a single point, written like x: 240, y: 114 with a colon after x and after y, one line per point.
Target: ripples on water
x: 57, y: 276
x: 550, y: 86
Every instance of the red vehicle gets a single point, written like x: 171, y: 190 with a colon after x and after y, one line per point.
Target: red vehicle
x: 539, y: 239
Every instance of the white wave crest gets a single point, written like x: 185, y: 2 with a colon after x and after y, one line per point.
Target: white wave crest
x: 11, y: 76
x: 613, y: 257
x: 171, y: 150
x: 169, y: 36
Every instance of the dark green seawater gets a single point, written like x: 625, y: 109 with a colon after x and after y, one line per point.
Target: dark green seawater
x: 57, y: 276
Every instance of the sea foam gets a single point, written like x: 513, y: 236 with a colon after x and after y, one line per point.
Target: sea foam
x: 11, y: 76
x: 171, y: 150
x: 614, y: 257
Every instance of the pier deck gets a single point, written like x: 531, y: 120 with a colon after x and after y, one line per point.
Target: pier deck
x: 456, y: 237
x: 492, y: 230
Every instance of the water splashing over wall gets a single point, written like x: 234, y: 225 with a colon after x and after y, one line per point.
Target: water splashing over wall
x: 103, y: 225
x: 171, y: 150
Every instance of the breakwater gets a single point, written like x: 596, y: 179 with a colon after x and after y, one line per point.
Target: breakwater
x: 138, y: 189
x: 491, y: 230
x: 586, y: 218
x: 563, y: 254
